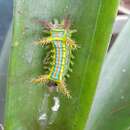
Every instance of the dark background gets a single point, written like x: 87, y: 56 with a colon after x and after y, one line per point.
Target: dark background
x: 6, y: 7
x: 6, y: 12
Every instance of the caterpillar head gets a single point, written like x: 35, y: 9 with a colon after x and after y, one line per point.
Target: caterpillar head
x: 65, y: 24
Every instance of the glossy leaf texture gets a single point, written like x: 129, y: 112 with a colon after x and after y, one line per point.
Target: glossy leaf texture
x: 31, y: 106
x: 111, y: 106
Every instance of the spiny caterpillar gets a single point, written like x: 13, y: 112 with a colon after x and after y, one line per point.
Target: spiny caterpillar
x: 62, y: 46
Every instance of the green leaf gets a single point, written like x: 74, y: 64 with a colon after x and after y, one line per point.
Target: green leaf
x: 111, y: 106
x: 26, y: 102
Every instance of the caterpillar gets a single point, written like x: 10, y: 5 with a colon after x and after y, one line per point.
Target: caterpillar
x: 61, y: 52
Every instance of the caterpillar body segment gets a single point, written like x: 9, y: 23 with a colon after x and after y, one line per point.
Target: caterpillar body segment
x: 62, y: 46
